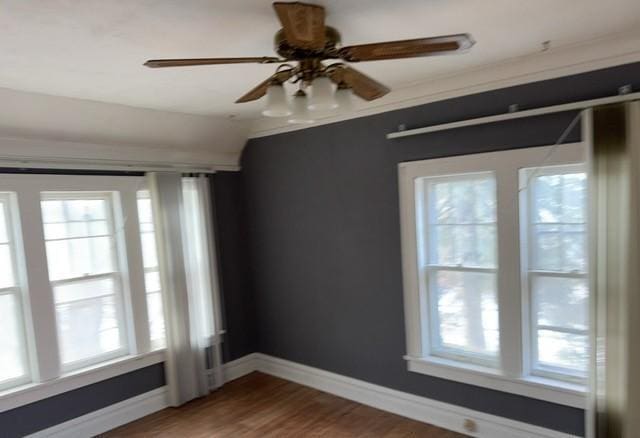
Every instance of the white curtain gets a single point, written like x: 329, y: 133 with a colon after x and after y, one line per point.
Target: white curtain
x: 188, y: 274
x: 615, y: 214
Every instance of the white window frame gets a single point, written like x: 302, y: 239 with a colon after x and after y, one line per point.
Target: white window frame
x: 119, y: 265
x: 531, y: 365
x: 512, y: 375
x: 48, y: 377
x: 11, y: 215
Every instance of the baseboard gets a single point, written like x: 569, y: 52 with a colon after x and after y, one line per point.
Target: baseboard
x: 401, y: 403
x: 440, y: 414
x: 240, y: 367
x: 108, y: 418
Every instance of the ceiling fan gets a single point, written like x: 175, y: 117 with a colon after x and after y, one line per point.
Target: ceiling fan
x: 303, y: 43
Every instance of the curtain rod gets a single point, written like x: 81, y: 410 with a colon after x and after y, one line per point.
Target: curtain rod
x: 109, y: 165
x: 581, y: 105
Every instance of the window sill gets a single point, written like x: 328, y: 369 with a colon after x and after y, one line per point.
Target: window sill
x: 540, y: 388
x: 33, y: 392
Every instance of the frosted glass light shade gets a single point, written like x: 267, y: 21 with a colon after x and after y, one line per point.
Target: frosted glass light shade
x: 322, y: 95
x: 276, y: 105
x: 344, y: 99
x: 300, y: 112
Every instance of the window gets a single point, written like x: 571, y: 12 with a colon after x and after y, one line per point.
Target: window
x: 557, y: 278
x: 495, y: 270
x: 151, y: 271
x: 458, y: 261
x: 13, y: 349
x: 84, y: 274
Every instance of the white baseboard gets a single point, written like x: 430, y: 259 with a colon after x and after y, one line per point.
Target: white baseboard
x: 108, y: 418
x: 407, y: 405
x: 401, y: 403
x: 240, y: 367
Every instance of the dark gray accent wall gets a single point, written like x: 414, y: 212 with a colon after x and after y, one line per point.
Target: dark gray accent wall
x: 235, y: 281
x: 324, y: 234
x: 54, y: 410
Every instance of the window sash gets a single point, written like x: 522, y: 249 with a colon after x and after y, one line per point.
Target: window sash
x: 115, y: 276
x: 530, y: 272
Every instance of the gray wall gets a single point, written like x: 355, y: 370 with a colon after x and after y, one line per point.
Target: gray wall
x: 324, y: 234
x: 66, y: 406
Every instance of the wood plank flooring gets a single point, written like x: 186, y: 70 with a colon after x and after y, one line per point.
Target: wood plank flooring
x: 259, y: 405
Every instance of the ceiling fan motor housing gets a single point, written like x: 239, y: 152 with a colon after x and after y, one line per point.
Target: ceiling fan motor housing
x: 291, y: 52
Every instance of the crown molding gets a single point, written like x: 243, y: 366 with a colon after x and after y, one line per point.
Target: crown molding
x: 613, y: 50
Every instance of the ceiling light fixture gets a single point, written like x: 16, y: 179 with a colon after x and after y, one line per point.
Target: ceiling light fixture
x: 276, y: 105
x: 299, y: 109
x: 322, y: 98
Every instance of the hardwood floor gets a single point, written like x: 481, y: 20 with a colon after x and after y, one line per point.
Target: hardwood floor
x: 259, y: 405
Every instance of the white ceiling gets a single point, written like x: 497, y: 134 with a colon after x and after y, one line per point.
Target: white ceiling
x: 94, y: 49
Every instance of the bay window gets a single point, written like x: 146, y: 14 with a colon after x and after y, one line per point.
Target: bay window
x: 494, y: 266
x: 80, y: 294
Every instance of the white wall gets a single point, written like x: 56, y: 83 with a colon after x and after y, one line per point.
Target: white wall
x: 43, y: 126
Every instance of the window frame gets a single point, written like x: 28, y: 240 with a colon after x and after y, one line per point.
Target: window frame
x: 48, y: 376
x: 529, y: 272
x: 10, y: 206
x: 118, y: 264
x: 513, y: 374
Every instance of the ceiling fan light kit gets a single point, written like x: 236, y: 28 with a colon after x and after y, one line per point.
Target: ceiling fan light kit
x: 303, y: 44
x: 276, y: 105
x: 322, y: 98
x: 300, y: 109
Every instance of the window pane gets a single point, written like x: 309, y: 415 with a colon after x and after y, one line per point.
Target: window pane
x: 4, y: 234
x: 79, y: 257
x: 88, y: 328
x: 156, y: 319
x: 152, y: 281
x: 461, y: 221
x: 561, y: 302
x: 12, y: 348
x: 83, y: 289
x: 155, y: 311
x: 149, y: 253
x: 467, y: 311
x: 565, y: 350
x: 7, y: 278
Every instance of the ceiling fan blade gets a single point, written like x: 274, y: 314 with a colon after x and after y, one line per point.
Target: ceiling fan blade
x: 441, y: 45
x: 303, y: 24
x: 261, y: 89
x: 156, y: 63
x: 361, y: 84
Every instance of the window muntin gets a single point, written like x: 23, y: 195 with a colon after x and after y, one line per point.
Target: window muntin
x: 457, y: 248
x: 557, y: 271
x: 14, y: 368
x: 83, y: 265
x: 155, y: 312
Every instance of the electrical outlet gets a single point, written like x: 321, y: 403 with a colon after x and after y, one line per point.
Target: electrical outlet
x: 470, y: 425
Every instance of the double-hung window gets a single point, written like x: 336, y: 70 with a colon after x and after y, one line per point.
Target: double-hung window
x: 495, y: 263
x: 151, y: 271
x: 84, y: 270
x: 14, y: 368
x: 458, y: 261
x: 555, y: 216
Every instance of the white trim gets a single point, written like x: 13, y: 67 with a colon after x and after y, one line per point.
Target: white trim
x: 240, y: 367
x: 553, y: 391
x: 109, y: 418
x: 600, y: 53
x: 513, y: 375
x: 30, y: 393
x: 574, y: 106
x: 401, y: 403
